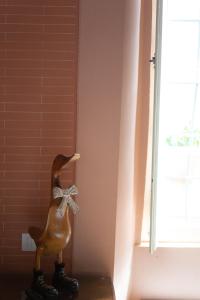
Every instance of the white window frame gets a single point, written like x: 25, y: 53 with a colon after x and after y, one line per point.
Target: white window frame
x: 153, y: 243
x: 157, y: 64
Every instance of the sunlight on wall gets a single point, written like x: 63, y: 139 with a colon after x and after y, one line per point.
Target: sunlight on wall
x: 124, y: 241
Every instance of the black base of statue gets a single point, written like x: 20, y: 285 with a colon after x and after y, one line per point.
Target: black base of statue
x: 91, y: 288
x: 30, y: 294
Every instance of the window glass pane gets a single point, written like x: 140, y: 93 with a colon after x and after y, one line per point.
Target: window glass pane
x: 180, y: 56
x: 178, y: 176
x: 178, y: 9
x: 194, y: 199
x: 196, y: 118
x: 172, y: 201
x: 175, y: 109
x: 194, y: 166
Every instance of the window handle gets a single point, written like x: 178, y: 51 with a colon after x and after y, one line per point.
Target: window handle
x: 153, y: 60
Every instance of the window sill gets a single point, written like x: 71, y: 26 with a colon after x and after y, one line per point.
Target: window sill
x: 170, y: 245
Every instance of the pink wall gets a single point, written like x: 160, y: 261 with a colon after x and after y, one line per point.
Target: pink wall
x: 99, y: 98
x: 104, y: 229
x: 105, y: 124
x: 168, y: 274
x: 171, y: 273
x: 125, y: 216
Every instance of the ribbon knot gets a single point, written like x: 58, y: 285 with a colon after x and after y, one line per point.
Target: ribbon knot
x: 66, y: 194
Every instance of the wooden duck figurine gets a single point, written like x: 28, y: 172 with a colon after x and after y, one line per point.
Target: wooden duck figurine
x: 56, y: 234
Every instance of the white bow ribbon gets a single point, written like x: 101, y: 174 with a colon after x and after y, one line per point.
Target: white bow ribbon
x: 67, y: 199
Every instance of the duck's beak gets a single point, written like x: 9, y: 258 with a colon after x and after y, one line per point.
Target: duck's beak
x: 76, y: 156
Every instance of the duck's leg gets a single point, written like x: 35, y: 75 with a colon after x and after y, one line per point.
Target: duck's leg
x: 60, y: 279
x: 38, y: 255
x: 60, y: 257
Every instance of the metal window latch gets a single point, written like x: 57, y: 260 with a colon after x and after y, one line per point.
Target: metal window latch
x: 153, y: 60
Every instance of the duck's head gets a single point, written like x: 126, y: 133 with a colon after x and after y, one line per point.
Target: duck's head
x: 61, y: 162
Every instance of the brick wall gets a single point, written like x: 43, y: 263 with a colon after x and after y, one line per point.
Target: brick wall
x: 38, y: 69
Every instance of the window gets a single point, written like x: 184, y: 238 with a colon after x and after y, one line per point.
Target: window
x: 175, y: 209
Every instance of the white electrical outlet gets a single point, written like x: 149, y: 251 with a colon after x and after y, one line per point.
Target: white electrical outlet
x: 28, y: 243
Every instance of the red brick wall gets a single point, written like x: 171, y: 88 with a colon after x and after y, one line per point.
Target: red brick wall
x: 38, y: 69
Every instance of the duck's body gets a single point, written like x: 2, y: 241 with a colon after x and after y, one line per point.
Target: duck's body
x: 57, y: 231
x: 55, y: 236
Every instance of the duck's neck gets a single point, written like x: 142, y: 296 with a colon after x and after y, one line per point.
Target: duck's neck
x: 55, y: 181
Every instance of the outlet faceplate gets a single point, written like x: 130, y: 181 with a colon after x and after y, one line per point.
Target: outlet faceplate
x: 28, y: 243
